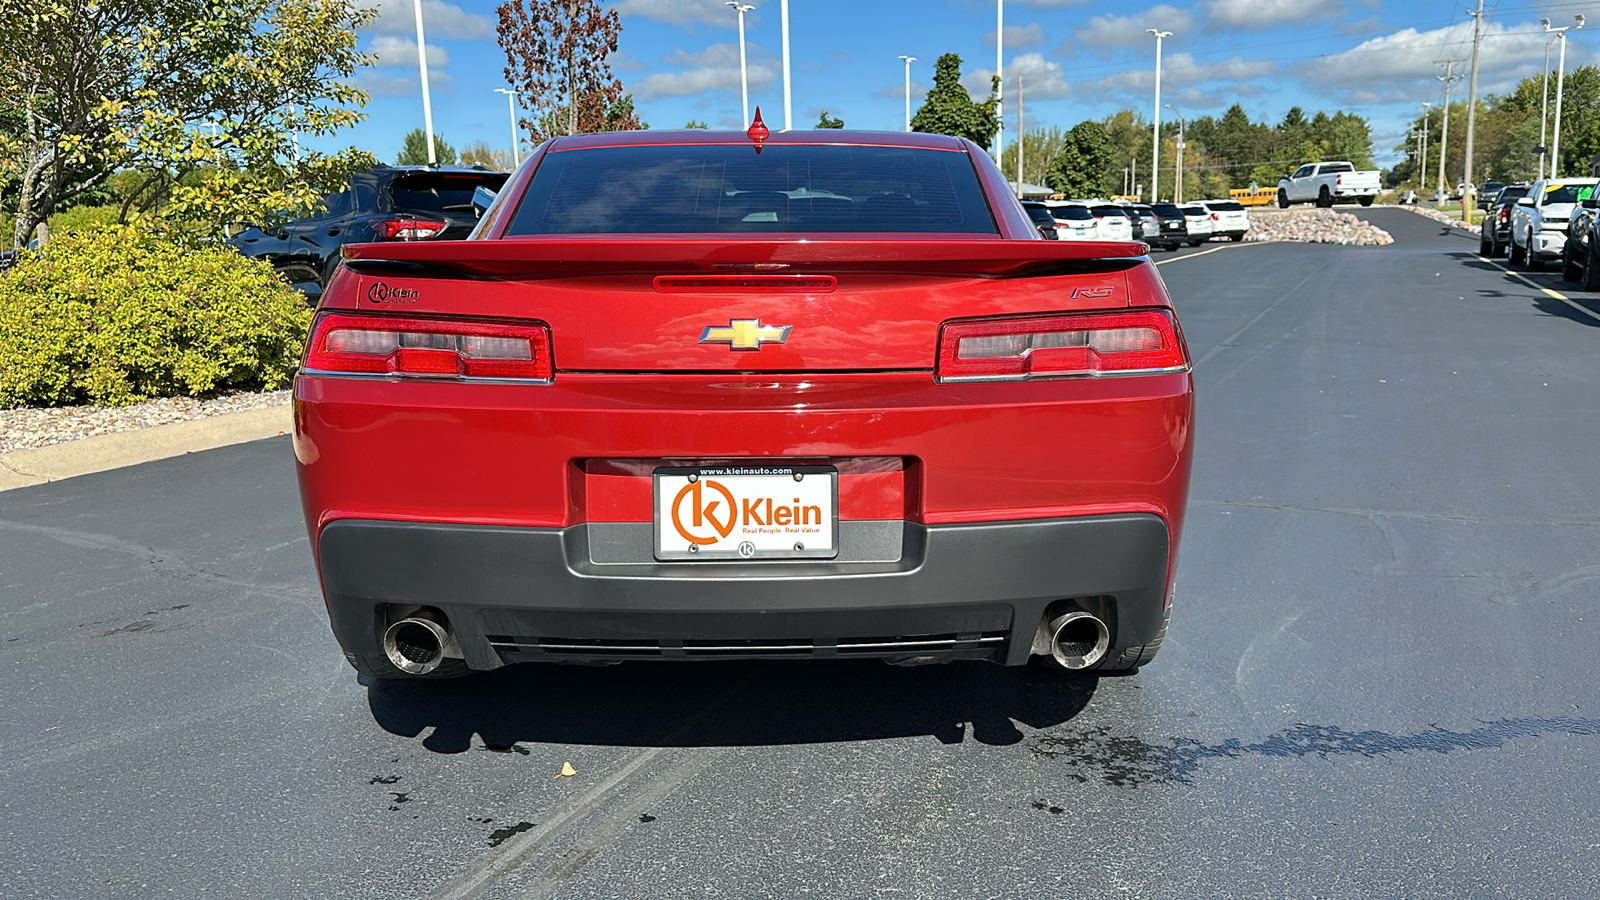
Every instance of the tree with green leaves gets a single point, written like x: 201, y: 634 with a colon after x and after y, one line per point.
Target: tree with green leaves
x: 827, y: 121
x: 1039, y: 149
x: 695, y: 123
x: 204, y: 99
x: 481, y: 154
x: 414, y: 149
x: 1079, y: 168
x: 949, y: 109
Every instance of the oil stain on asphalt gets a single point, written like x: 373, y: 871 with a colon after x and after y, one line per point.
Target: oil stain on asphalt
x: 1125, y: 761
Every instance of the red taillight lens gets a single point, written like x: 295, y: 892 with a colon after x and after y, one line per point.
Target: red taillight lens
x: 1137, y: 342
x: 408, y: 228
x: 396, y: 345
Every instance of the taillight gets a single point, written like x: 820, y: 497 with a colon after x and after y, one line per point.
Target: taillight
x: 1216, y: 218
x: 408, y: 228
x: 436, y: 348
x: 1136, y: 342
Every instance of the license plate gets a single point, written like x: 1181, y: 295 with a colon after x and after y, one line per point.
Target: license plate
x: 746, y: 512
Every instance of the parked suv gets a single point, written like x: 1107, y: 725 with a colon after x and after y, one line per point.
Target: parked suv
x: 384, y: 203
x: 1496, y: 233
x: 1174, y: 229
x: 1539, y: 221
x: 1581, y: 257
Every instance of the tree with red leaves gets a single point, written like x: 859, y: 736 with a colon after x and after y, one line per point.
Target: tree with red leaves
x: 558, y: 58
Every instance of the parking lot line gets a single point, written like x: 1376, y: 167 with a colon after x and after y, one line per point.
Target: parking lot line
x: 1554, y: 295
x: 1215, y: 249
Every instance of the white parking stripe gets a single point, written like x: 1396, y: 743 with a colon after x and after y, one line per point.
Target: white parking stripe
x: 1215, y: 249
x: 1547, y: 292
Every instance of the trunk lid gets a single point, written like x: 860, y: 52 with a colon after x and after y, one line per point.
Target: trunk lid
x: 746, y: 306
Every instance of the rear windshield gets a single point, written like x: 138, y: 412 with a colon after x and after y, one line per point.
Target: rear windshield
x: 1566, y: 193
x: 1166, y: 209
x: 710, y: 188
x: 1100, y: 212
x: 441, y: 191
x: 1072, y: 213
x: 1511, y: 193
x: 1040, y: 215
x: 1336, y: 167
x: 1225, y: 206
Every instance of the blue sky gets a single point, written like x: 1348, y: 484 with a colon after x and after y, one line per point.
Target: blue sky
x: 1079, y: 59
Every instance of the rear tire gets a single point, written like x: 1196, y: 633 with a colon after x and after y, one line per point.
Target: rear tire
x: 1366, y: 201
x: 1324, y: 199
x: 1569, y: 266
x: 1283, y: 199
x: 1132, y: 658
x: 1516, y: 253
x: 380, y: 667
x: 1195, y: 243
x: 1591, y: 268
x: 1236, y: 238
x: 1485, y: 249
x: 1530, y: 261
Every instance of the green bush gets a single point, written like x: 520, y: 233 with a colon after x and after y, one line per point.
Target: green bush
x: 83, y: 218
x: 118, y: 315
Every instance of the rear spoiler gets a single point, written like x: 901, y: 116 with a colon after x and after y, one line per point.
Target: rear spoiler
x: 514, y: 258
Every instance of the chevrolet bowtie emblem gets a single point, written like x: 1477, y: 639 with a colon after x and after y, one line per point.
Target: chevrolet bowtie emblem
x: 745, y: 334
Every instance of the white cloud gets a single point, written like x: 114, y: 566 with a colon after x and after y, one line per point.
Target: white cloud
x: 379, y: 85
x: 1256, y: 14
x: 392, y: 50
x: 439, y: 19
x: 897, y: 91
x: 1109, y: 32
x: 1181, y: 78
x: 1020, y: 36
x: 715, y: 68
x: 684, y: 12
x: 1041, y: 79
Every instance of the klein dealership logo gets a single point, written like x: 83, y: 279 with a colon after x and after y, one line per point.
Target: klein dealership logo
x: 380, y: 292
x: 705, y: 512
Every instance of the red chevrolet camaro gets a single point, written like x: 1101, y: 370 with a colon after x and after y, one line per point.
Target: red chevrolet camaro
x: 702, y: 395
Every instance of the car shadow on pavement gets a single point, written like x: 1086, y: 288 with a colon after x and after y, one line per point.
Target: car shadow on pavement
x: 728, y: 703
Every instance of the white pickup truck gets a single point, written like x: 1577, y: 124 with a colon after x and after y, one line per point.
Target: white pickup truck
x: 1327, y: 183
x: 1539, y: 220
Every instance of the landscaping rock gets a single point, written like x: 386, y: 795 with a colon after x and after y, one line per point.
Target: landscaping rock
x: 1314, y: 226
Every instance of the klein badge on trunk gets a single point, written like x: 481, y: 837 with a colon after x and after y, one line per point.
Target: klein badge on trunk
x: 745, y: 334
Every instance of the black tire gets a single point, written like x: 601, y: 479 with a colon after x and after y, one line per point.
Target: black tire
x: 1236, y: 238
x: 1530, y: 261
x: 1485, y: 249
x: 1366, y: 201
x: 380, y: 667
x: 1132, y: 658
x: 1195, y: 243
x: 1496, y: 249
x: 1283, y: 199
x: 1516, y: 254
x: 1569, y: 266
x: 1591, y: 267
x: 1324, y: 199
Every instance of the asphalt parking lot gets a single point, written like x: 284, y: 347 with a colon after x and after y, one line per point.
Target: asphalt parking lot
x: 1377, y: 681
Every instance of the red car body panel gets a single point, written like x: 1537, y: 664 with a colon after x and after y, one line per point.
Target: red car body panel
x: 635, y: 388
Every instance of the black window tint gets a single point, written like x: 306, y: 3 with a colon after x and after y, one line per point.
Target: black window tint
x: 1511, y: 193
x: 1228, y: 206
x: 440, y: 191
x: 334, y: 205
x: 718, y: 188
x: 1166, y: 209
x: 1040, y: 215
x: 1337, y: 167
x: 1072, y: 213
x: 1100, y: 212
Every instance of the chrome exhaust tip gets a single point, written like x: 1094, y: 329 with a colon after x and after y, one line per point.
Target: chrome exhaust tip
x: 416, y: 644
x: 1078, y: 639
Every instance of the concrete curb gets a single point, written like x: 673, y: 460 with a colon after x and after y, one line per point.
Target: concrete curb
x: 25, y: 468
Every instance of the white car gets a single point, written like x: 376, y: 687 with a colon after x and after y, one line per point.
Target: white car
x: 1114, y: 223
x: 1327, y: 183
x: 1539, y: 220
x: 1228, y: 219
x: 1074, y: 221
x: 1197, y: 219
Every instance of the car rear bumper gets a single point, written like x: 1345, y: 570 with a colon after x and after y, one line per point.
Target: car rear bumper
x: 899, y: 590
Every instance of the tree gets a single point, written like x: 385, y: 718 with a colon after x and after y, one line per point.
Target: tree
x: 692, y: 123
x: 1080, y: 168
x: 827, y: 121
x: 479, y: 154
x: 414, y: 149
x: 1039, y: 149
x: 949, y: 109
x: 558, y: 58
x: 172, y: 88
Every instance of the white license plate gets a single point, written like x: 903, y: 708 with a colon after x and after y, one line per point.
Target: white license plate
x: 746, y: 512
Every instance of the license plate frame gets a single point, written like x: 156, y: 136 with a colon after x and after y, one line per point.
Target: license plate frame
x: 671, y: 490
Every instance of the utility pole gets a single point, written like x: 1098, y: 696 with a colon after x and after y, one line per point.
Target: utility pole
x: 427, y: 104
x: 1019, y: 134
x: 908, y: 61
x: 1427, y: 122
x: 1561, y: 83
x: 1468, y: 189
x: 999, y: 74
x: 1177, y: 189
x: 744, y: 70
x: 788, y: 108
x: 1155, y: 161
x: 1444, y: 136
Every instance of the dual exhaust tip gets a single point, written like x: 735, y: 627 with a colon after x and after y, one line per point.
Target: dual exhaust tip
x: 417, y: 644
x: 1078, y: 639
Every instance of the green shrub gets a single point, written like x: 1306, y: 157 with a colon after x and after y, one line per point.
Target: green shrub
x: 118, y: 315
x: 83, y: 218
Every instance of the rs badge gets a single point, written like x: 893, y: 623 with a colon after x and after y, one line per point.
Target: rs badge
x: 745, y: 334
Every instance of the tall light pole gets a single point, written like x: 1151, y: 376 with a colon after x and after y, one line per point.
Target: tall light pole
x: 1000, y: 79
x: 1444, y: 133
x: 1468, y: 189
x: 788, y: 109
x: 1427, y: 122
x: 1019, y: 134
x: 908, y: 60
x: 1177, y: 188
x: 744, y: 71
x: 1155, y: 146
x: 511, y: 105
x: 1561, y: 81
x: 427, y: 104
x: 1544, y: 108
